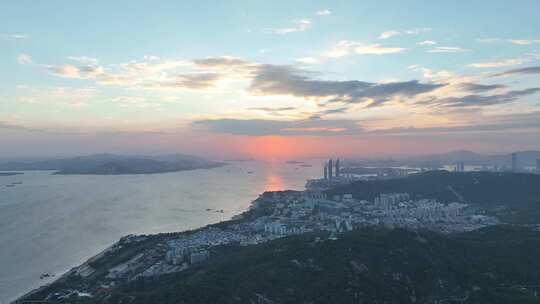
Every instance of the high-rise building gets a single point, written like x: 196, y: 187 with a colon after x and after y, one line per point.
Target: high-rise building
x: 330, y: 167
x: 337, y: 168
x: 514, y: 162
x: 538, y: 165
x: 325, y: 170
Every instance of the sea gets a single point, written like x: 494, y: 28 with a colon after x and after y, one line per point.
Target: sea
x: 51, y: 223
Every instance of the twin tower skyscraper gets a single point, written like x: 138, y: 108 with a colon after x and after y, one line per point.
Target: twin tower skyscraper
x: 328, y: 169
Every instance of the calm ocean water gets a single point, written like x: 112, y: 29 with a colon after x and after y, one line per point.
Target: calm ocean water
x: 50, y: 223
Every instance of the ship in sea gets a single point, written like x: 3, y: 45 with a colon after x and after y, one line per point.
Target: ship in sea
x: 294, y: 162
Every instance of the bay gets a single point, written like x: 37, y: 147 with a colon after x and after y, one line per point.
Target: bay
x: 50, y: 223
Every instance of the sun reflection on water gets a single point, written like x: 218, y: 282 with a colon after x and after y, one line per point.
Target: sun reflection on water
x: 273, y: 182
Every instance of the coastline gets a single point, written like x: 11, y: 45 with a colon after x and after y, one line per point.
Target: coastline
x: 65, y: 276
x: 143, y: 204
x: 279, y: 214
x: 237, y: 218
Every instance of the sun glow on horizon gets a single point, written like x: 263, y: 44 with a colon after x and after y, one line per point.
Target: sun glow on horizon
x: 273, y: 147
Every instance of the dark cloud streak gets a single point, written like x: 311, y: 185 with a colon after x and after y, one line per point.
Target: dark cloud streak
x: 262, y: 127
x: 474, y: 100
x: 480, y: 88
x: 523, y: 71
x: 287, y: 80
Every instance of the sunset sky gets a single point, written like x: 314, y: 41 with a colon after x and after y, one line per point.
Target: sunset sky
x: 268, y: 79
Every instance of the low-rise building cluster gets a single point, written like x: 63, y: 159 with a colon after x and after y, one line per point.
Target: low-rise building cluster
x: 291, y: 213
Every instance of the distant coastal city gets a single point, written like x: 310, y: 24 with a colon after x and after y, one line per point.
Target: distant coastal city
x: 333, y: 175
x: 332, y: 204
x: 279, y: 214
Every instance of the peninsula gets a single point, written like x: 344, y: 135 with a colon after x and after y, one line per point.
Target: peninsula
x: 430, y: 237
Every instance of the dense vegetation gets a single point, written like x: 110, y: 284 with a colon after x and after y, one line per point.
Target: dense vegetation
x: 493, y: 265
x: 514, y: 197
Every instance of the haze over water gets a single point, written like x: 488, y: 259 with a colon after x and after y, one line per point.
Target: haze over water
x: 69, y: 218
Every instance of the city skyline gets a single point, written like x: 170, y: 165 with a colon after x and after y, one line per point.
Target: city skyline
x: 269, y: 80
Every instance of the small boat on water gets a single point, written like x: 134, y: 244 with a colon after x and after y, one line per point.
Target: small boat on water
x: 250, y: 172
x: 16, y: 183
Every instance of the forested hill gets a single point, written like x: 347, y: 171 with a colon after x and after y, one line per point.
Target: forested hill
x: 103, y: 164
x: 495, y: 265
x: 519, y: 193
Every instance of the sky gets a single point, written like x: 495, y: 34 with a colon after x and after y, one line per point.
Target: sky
x: 269, y: 79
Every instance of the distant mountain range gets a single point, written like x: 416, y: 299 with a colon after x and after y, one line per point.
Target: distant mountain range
x: 114, y: 164
x: 524, y: 159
